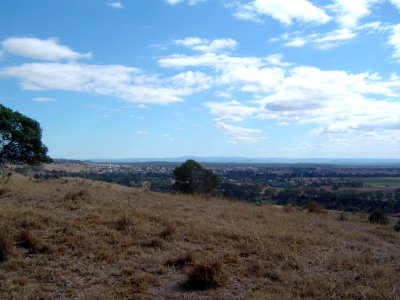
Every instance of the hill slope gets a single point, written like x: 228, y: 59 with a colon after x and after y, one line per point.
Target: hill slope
x: 72, y: 238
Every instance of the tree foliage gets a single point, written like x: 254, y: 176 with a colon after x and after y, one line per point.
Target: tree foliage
x: 20, y: 138
x: 192, y: 178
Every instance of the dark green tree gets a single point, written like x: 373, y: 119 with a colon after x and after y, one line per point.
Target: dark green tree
x: 192, y: 178
x: 20, y: 139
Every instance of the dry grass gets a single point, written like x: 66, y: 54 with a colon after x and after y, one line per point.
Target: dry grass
x: 113, y: 242
x: 6, y: 244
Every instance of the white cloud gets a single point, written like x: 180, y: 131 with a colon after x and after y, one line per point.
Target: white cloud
x: 233, y: 111
x: 336, y: 100
x: 43, y: 99
x: 240, y: 135
x: 277, y: 60
x: 284, y: 11
x: 190, y: 2
x: 323, y: 41
x: 197, y: 80
x: 215, y: 61
x: 127, y: 83
x: 296, y: 42
x: 396, y: 3
x: 206, y: 46
x: 252, y: 78
x: 34, y: 48
x: 350, y: 12
x: 394, y: 41
x: 115, y: 4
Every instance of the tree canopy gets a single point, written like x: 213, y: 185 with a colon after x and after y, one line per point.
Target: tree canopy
x: 192, y: 178
x: 20, y: 138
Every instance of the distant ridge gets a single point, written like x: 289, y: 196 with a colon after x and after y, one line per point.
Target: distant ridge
x: 242, y: 160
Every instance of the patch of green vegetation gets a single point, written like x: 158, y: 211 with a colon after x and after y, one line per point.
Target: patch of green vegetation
x: 381, y: 182
x: 278, y: 184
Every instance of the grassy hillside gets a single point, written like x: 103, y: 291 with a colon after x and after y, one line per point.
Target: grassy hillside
x: 71, y: 238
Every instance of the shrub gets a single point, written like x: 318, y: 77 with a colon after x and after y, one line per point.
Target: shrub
x: 203, y: 277
x: 5, y: 245
x: 314, y: 207
x: 29, y: 241
x: 378, y: 217
x: 124, y: 223
x: 81, y: 195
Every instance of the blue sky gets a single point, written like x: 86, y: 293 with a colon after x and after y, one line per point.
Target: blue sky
x: 166, y: 78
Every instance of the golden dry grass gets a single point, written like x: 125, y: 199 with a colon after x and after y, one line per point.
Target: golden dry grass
x: 100, y: 241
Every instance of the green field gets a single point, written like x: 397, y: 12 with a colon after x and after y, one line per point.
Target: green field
x: 381, y: 182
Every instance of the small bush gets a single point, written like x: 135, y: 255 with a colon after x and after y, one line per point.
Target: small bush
x: 29, y: 241
x: 378, y: 217
x: 314, y: 207
x: 123, y: 223
x: 155, y: 243
x: 4, y: 191
x: 203, y: 277
x: 5, y: 245
x: 397, y: 226
x: 81, y: 195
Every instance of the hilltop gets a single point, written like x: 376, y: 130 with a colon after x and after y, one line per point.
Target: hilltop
x: 75, y: 238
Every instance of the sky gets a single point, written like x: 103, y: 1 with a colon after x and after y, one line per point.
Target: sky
x: 169, y: 78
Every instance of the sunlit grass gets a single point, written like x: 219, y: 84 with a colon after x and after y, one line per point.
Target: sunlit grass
x: 95, y: 240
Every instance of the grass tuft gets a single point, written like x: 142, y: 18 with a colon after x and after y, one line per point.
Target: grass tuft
x: 168, y: 232
x: 32, y: 243
x: 207, y: 276
x: 182, y: 261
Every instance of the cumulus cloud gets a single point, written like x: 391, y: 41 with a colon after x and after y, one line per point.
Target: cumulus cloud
x: 127, y: 83
x: 394, y: 41
x: 284, y: 11
x: 336, y: 100
x: 213, y: 60
x: 233, y: 111
x: 39, y: 49
x: 240, y: 135
x: 207, y: 46
x: 196, y: 80
x: 350, y: 12
x: 115, y: 4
